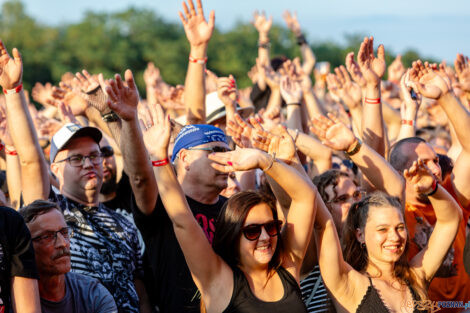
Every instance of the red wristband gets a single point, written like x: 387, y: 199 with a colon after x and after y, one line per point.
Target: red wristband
x: 372, y: 101
x: 199, y: 61
x: 10, y: 152
x: 1, y: 146
x: 161, y: 162
x: 408, y: 122
x: 14, y: 90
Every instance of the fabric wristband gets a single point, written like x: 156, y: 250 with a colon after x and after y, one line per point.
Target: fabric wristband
x: 408, y: 122
x: 10, y: 152
x: 17, y: 89
x: 1, y: 146
x: 372, y: 101
x: 198, y: 61
x: 161, y: 162
x: 264, y: 45
x: 273, y: 158
x: 301, y: 40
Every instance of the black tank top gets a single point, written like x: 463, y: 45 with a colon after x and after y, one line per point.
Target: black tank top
x: 244, y: 301
x: 372, y: 303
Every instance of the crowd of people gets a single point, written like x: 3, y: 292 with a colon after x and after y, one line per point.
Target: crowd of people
x: 349, y: 193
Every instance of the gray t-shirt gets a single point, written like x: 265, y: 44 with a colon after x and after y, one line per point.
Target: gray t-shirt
x: 83, y: 294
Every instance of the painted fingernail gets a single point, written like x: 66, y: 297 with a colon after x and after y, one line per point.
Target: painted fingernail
x: 229, y: 163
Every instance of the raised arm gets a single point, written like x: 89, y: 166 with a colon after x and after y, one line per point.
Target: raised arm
x: 372, y: 68
x: 307, y: 54
x: 263, y: 25
x: 299, y: 188
x: 123, y: 100
x: 380, y: 173
x: 408, y: 110
x: 34, y: 172
x: 198, y: 32
x: 448, y: 217
x: 435, y: 85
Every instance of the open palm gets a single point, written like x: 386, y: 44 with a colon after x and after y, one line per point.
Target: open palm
x: 11, y: 69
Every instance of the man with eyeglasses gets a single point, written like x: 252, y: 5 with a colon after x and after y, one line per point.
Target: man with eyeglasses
x: 59, y: 289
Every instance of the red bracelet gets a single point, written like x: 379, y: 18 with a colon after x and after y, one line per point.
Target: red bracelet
x: 1, y: 146
x: 14, y: 90
x: 372, y: 101
x: 408, y: 122
x: 433, y: 187
x: 161, y: 162
x: 199, y: 61
x: 10, y: 152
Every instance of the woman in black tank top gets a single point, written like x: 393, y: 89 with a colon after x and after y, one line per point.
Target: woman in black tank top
x: 254, y: 266
x: 375, y: 275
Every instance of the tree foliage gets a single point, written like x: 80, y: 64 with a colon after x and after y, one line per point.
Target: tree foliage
x: 111, y: 42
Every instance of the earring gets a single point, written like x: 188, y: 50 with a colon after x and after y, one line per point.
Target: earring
x: 363, y: 245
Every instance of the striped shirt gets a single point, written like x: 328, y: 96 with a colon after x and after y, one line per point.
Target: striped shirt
x: 320, y: 302
x: 104, y: 246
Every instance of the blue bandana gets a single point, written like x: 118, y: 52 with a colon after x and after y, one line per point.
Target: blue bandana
x: 195, y: 135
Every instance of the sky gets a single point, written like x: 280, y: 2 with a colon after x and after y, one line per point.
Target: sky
x: 435, y: 28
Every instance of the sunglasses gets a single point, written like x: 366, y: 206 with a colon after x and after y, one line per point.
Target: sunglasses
x: 107, y: 151
x: 212, y: 149
x: 253, y: 231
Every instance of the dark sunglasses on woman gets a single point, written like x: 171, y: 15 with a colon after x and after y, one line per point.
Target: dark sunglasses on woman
x: 253, y: 231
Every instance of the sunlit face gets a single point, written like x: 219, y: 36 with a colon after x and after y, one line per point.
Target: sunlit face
x: 233, y: 186
x: 77, y: 180
x: 384, y: 234
x: 199, y: 169
x: 52, y: 258
x: 258, y: 253
x: 340, y: 199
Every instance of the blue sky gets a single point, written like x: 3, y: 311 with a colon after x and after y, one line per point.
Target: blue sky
x: 435, y: 28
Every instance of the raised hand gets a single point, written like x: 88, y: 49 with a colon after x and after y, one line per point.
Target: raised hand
x: 462, y: 68
x: 333, y: 133
x: 291, y: 91
x: 261, y: 23
x: 65, y: 113
x: 240, y: 131
x: 11, y: 69
x: 292, y: 22
x: 427, y: 81
x: 152, y: 75
x: 237, y: 160
x: 92, y: 90
x: 372, y: 68
x: 420, y: 177
x: 42, y: 93
x: 396, y: 70
x: 198, y: 30
x: 227, y: 90
x: 72, y: 99
x: 354, y: 70
x: 156, y: 134
x: 409, y: 106
x: 282, y: 145
x: 273, y: 79
x: 123, y: 100
x: 341, y: 84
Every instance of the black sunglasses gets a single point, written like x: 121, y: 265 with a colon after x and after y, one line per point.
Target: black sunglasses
x: 253, y: 231
x: 212, y: 149
x: 107, y: 151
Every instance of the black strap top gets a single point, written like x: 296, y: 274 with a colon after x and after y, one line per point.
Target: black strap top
x: 244, y: 301
x: 371, y: 302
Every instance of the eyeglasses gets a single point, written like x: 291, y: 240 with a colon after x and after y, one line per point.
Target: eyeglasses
x: 348, y: 163
x: 107, y: 151
x: 357, y: 195
x: 51, y: 237
x: 212, y: 149
x: 253, y: 231
x: 78, y: 160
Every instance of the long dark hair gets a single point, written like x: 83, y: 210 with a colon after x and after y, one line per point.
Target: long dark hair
x: 356, y: 254
x: 226, y: 241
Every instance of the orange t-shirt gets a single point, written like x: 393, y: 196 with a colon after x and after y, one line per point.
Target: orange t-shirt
x: 451, y: 281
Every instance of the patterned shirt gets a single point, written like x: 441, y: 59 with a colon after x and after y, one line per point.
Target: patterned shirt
x: 105, y: 246
x: 320, y: 301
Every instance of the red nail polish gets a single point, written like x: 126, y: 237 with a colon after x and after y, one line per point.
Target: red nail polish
x: 229, y: 163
